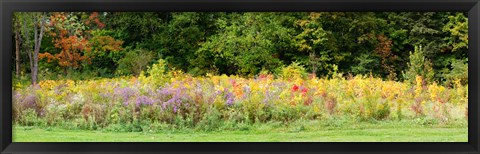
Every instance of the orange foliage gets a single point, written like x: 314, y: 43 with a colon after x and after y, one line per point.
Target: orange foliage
x: 384, y: 49
x: 74, y: 41
x: 106, y: 43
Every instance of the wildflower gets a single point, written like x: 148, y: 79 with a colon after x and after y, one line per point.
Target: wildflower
x: 247, y: 89
x: 125, y: 93
x: 229, y: 97
x: 162, y: 93
x: 262, y: 76
x: 433, y: 89
x: 234, y: 83
x: 304, y: 91
x: 30, y: 101
x: 268, y: 96
x: 238, y: 92
x: 295, y: 88
x: 144, y: 100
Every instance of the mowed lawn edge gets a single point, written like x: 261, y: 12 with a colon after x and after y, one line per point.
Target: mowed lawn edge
x: 359, y: 133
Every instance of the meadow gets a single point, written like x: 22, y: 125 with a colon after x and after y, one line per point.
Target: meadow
x: 166, y: 101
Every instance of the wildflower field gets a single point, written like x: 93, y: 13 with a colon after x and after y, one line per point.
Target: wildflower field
x: 178, y: 101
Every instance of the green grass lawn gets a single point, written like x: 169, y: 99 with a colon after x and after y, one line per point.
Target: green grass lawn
x: 354, y: 132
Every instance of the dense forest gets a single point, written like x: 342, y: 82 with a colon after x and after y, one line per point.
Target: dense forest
x: 80, y: 45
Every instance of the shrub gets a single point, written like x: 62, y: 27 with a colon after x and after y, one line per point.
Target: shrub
x: 293, y: 71
x: 134, y: 62
x: 156, y: 75
x: 28, y: 118
x: 458, y: 73
x: 419, y: 65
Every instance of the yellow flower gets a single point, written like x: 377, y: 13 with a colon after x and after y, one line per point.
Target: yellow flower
x: 423, y: 102
x: 418, y: 88
x: 299, y: 81
x: 219, y: 88
x: 433, y: 91
x: 316, y: 109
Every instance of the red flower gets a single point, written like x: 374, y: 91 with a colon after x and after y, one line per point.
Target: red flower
x: 294, y: 88
x: 304, y: 91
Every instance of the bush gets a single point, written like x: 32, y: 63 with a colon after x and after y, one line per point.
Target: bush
x: 156, y: 75
x: 458, y: 73
x: 293, y: 71
x: 134, y: 62
x: 28, y: 118
x: 419, y: 65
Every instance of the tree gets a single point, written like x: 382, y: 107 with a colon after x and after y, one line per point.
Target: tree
x: 311, y: 40
x: 106, y: 51
x: 384, y: 50
x: 457, y: 27
x: 16, y: 29
x: 419, y: 66
x: 71, y: 36
x: 134, y: 62
x: 37, y: 22
x: 245, y: 43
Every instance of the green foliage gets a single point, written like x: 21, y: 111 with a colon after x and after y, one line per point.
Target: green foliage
x: 156, y: 75
x: 459, y: 72
x: 134, y: 62
x: 365, y: 64
x: 293, y: 71
x: 457, y: 27
x: 244, y: 44
x: 419, y: 65
x: 29, y: 118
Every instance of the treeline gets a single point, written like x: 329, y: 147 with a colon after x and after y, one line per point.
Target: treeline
x: 390, y: 45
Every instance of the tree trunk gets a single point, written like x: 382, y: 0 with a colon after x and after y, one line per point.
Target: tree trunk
x: 17, y: 49
x: 27, y: 44
x: 35, y: 41
x: 38, y: 44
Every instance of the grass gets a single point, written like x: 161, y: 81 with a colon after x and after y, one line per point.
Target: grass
x: 312, y: 132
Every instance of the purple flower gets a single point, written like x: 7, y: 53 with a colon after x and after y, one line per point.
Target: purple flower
x: 280, y: 84
x: 174, y: 109
x: 144, y: 100
x: 212, y: 97
x: 125, y: 93
x: 163, y: 93
x: 229, y: 97
x: 164, y: 105
x: 17, y: 97
x: 30, y: 100
x: 268, y: 94
x: 105, y: 95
